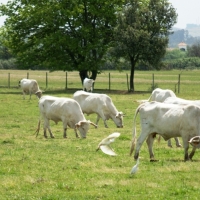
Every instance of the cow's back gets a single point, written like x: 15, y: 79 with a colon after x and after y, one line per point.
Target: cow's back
x: 91, y: 102
x: 176, y: 100
x: 160, y: 95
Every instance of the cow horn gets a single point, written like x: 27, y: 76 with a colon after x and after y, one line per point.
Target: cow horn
x: 197, y: 140
x: 93, y: 124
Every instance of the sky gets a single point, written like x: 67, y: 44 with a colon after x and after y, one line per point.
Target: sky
x: 188, y: 12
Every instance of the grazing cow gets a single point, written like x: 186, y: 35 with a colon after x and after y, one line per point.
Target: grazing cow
x: 160, y: 95
x: 101, y: 104
x: 30, y: 86
x: 88, y: 84
x: 167, y: 120
x: 62, y: 109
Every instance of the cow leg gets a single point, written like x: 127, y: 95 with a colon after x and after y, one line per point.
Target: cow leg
x: 104, y: 119
x: 192, y: 153
x: 77, y: 136
x: 178, y: 144
x: 169, y: 143
x: 98, y: 118
x: 149, y: 142
x: 23, y: 94
x: 45, y: 132
x: 105, y: 124
x: 47, y: 126
x: 30, y: 95
x: 65, y: 133
x: 186, y: 147
x: 139, y: 143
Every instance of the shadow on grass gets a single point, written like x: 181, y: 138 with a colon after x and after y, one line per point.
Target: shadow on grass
x: 73, y: 90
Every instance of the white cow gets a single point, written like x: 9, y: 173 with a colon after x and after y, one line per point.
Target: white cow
x: 167, y: 120
x: 101, y: 104
x: 30, y: 86
x: 66, y: 110
x: 88, y: 84
x: 160, y: 95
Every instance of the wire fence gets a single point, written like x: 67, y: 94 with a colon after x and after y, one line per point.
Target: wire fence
x: 107, y: 80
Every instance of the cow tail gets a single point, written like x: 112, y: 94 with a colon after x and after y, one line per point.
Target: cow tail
x: 38, y: 129
x: 133, y: 143
x: 149, y: 99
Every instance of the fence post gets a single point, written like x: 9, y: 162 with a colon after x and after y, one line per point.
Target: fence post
x: 46, y: 80
x: 127, y: 82
x: 179, y: 77
x: 8, y: 80
x: 66, y: 82
x: 109, y: 80
x: 27, y: 75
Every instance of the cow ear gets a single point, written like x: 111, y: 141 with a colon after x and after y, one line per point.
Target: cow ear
x: 119, y: 114
x: 77, y: 125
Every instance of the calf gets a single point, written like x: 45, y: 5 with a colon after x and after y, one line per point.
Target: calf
x: 88, y: 84
x: 101, y: 104
x: 62, y: 109
x: 30, y: 86
x: 167, y: 120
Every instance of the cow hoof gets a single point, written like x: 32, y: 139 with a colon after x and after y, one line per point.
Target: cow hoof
x: 153, y: 160
x: 179, y: 145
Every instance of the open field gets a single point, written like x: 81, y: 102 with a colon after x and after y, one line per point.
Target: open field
x: 189, y: 80
x: 70, y: 169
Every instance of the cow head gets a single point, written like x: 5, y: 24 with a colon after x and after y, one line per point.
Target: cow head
x: 39, y: 94
x: 83, y: 127
x: 119, y: 119
x: 195, y: 141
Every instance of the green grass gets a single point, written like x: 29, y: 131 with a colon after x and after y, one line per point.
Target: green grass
x: 57, y: 169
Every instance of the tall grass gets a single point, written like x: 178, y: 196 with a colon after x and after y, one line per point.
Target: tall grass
x: 38, y: 168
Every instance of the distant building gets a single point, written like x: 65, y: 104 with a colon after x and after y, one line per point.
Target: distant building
x: 182, y: 46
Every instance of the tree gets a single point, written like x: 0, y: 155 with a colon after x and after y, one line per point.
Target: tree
x: 194, y: 50
x: 60, y: 35
x: 142, y: 32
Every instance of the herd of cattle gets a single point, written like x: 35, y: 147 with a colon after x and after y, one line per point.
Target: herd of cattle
x: 163, y: 114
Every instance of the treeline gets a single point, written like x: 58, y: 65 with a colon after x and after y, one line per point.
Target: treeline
x: 173, y: 59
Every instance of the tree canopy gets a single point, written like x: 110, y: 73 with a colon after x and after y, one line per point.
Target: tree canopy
x: 60, y: 35
x: 142, y: 32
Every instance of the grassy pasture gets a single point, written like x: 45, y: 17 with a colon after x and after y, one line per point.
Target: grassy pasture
x: 57, y: 169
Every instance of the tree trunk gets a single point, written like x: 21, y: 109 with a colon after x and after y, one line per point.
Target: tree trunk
x: 94, y: 74
x: 132, y: 89
x: 84, y: 74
